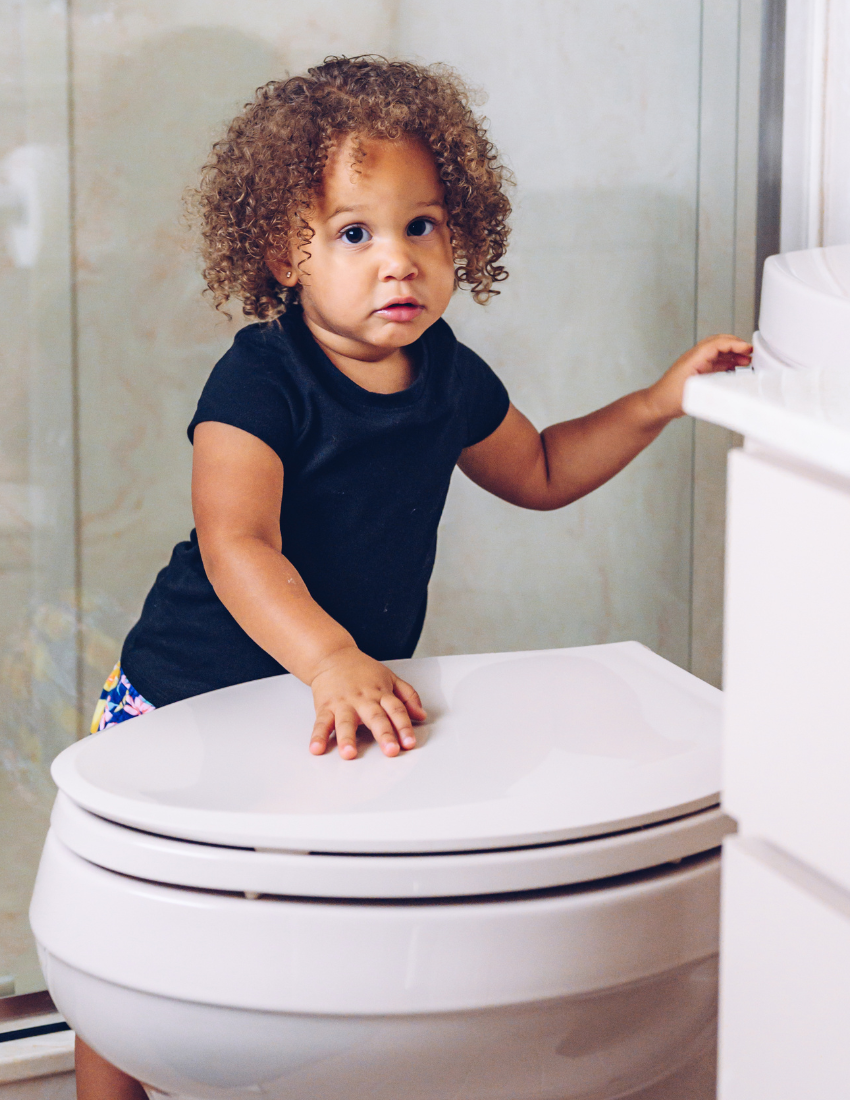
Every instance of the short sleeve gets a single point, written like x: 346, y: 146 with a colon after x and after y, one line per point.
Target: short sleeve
x: 248, y: 388
x: 487, y: 400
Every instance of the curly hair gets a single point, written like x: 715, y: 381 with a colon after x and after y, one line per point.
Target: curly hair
x: 261, y: 178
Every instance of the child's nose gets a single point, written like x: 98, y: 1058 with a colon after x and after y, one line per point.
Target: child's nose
x: 397, y: 260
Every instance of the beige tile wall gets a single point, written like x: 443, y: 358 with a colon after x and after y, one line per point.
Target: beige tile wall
x: 725, y: 282
x: 596, y: 107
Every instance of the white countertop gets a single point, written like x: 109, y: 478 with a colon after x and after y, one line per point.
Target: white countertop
x: 803, y: 411
x: 796, y: 397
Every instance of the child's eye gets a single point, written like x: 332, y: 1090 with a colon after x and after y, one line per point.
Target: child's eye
x: 420, y: 227
x: 355, y: 234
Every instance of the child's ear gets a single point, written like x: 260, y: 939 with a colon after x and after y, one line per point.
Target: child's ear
x: 282, y: 269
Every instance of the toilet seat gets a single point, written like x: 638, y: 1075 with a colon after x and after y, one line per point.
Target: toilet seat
x: 624, y: 778
x: 445, y: 875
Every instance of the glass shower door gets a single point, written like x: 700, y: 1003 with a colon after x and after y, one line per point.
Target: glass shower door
x: 631, y: 126
x: 38, y: 575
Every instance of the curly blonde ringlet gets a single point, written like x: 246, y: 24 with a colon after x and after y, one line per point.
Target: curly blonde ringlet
x: 261, y: 177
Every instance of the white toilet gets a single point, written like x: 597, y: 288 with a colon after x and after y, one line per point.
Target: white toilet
x: 526, y: 906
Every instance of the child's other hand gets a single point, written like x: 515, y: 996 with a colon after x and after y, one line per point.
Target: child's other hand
x: 716, y: 353
x: 351, y: 690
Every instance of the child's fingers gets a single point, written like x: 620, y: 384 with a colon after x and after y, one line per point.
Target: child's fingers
x: 322, y: 730
x: 719, y: 353
x: 727, y: 342
x: 410, y: 697
x: 400, y: 718
x: 374, y: 717
x: 346, y: 722
x: 725, y: 346
x: 724, y: 341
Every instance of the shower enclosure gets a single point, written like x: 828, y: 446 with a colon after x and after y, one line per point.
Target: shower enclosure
x: 631, y: 127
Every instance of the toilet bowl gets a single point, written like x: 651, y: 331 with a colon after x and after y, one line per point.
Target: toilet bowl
x: 525, y: 906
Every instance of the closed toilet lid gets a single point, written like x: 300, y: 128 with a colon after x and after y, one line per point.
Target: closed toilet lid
x: 520, y: 749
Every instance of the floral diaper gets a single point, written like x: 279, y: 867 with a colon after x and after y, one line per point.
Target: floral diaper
x: 119, y: 701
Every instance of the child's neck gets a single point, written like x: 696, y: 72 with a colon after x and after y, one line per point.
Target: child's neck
x: 378, y: 370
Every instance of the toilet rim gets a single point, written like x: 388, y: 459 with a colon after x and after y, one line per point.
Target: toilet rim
x: 298, y: 954
x: 345, y: 876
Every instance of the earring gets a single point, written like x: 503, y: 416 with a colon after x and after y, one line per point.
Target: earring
x: 289, y: 274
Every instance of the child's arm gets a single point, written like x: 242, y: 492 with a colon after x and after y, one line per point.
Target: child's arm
x: 549, y: 469
x: 237, y: 485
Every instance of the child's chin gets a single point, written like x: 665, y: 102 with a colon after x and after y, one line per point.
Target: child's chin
x: 399, y: 336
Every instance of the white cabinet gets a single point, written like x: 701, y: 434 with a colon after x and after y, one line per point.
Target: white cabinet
x: 785, y: 909
x: 785, y: 979
x: 787, y: 659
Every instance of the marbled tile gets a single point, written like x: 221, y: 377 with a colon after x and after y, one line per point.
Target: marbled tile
x: 595, y: 107
x: 725, y: 286
x: 712, y: 446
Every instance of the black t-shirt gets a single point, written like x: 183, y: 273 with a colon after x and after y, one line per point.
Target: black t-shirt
x: 365, y: 480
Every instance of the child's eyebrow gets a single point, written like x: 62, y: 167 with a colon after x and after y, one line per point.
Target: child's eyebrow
x: 345, y: 210
x: 358, y: 207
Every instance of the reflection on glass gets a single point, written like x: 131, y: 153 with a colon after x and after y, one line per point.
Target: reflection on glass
x: 38, y: 616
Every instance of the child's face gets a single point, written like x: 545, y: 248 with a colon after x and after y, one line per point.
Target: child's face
x: 379, y: 269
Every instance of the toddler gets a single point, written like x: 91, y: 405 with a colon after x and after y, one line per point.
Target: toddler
x: 343, y: 209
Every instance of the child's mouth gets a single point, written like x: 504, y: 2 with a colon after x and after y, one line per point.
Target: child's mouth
x: 402, y: 309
